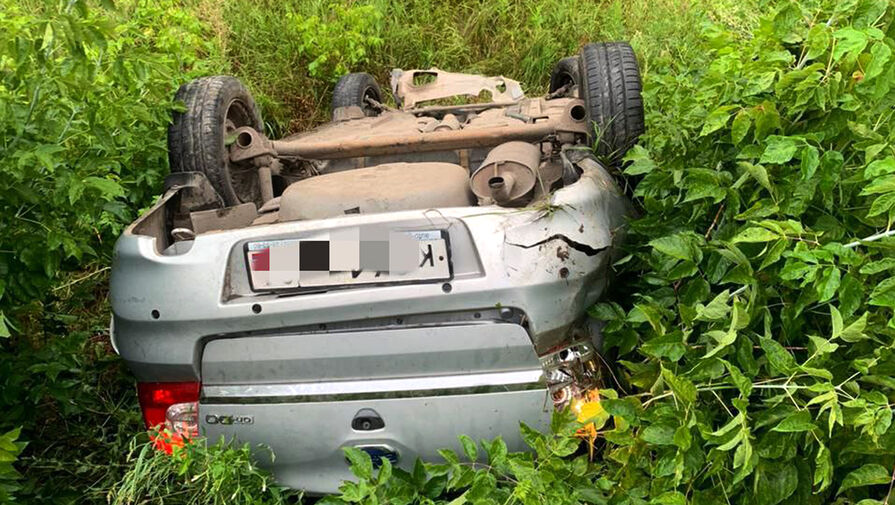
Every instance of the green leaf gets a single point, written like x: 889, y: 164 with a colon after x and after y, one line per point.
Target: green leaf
x: 716, y: 120
x: 883, y: 294
x: 779, y: 149
x: 797, y: 422
x: 759, y: 173
x: 880, y: 54
x: 682, y: 388
x: 108, y: 188
x: 818, y: 41
x: 620, y: 408
x: 4, y: 329
x: 868, y: 475
x: 738, y: 379
x: 385, y: 471
x: 810, y: 161
x: 828, y: 283
x: 469, y: 448
x: 460, y: 500
x: 823, y: 468
x: 361, y: 464
x: 822, y: 346
x: 780, y: 360
x: 855, y: 331
x: 884, y: 204
x: 670, y: 498
x: 740, y: 127
x: 640, y: 161
x: 760, y: 83
x: 885, y: 184
x: 449, y: 456
x: 776, y: 484
x: 669, y: 346
x: 716, y: 310
x: 658, y: 434
x: 836, y: 321
x: 755, y: 235
x: 849, y: 40
x: 880, y: 167
x: 724, y: 339
x: 683, y: 246
x: 497, y: 451
x: 875, y: 267
x: 767, y: 119
x: 736, y: 422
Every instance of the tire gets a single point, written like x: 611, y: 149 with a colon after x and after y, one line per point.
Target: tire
x: 564, y: 72
x: 353, y: 89
x: 197, y: 136
x: 610, y: 87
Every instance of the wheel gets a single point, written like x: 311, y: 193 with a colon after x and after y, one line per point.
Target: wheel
x: 354, y: 89
x: 566, y: 71
x: 610, y: 86
x: 197, y: 138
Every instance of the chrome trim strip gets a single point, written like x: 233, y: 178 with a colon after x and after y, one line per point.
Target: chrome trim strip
x: 377, y: 388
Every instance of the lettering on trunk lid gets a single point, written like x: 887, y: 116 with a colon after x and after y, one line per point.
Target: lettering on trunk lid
x: 227, y: 419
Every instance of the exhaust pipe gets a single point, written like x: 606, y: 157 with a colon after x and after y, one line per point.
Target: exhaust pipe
x: 508, y: 174
x: 501, y: 188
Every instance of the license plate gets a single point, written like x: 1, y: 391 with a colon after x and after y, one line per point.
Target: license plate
x: 348, y: 257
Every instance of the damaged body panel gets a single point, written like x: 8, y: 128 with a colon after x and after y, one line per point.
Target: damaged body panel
x: 393, y: 265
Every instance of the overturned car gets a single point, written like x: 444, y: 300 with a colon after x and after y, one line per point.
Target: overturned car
x: 389, y: 280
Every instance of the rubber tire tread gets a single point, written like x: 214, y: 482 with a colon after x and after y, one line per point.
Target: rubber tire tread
x: 611, y: 89
x: 564, y: 66
x: 196, y: 135
x: 351, y: 88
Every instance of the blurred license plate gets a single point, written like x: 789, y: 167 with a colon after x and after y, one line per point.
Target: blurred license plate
x: 348, y: 257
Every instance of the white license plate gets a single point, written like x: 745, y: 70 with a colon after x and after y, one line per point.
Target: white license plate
x: 348, y: 257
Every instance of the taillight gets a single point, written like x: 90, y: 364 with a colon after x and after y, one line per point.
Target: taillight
x: 156, y: 398
x: 183, y: 419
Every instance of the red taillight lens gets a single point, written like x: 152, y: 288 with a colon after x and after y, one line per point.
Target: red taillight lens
x: 156, y: 397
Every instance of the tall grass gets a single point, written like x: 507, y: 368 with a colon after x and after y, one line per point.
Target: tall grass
x: 271, y: 47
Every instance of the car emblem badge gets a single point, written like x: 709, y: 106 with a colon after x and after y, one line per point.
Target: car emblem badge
x: 228, y: 420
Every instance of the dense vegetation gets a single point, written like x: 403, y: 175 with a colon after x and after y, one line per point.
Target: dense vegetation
x: 752, y: 319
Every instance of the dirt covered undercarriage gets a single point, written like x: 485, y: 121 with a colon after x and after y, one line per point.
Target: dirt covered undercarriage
x: 437, y: 253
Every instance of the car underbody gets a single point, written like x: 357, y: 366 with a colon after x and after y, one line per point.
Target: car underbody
x: 390, y: 280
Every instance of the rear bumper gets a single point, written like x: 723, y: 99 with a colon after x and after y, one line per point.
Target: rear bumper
x: 414, y: 428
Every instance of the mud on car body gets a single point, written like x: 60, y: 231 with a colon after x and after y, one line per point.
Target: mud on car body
x: 389, y: 280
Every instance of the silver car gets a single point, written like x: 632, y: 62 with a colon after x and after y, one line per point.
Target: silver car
x: 401, y: 275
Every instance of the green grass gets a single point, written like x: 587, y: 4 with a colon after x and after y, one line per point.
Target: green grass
x: 271, y: 50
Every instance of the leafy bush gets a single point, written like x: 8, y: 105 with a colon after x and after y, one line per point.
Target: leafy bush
x: 758, y: 330
x: 76, y: 407
x: 85, y: 97
x: 340, y: 41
